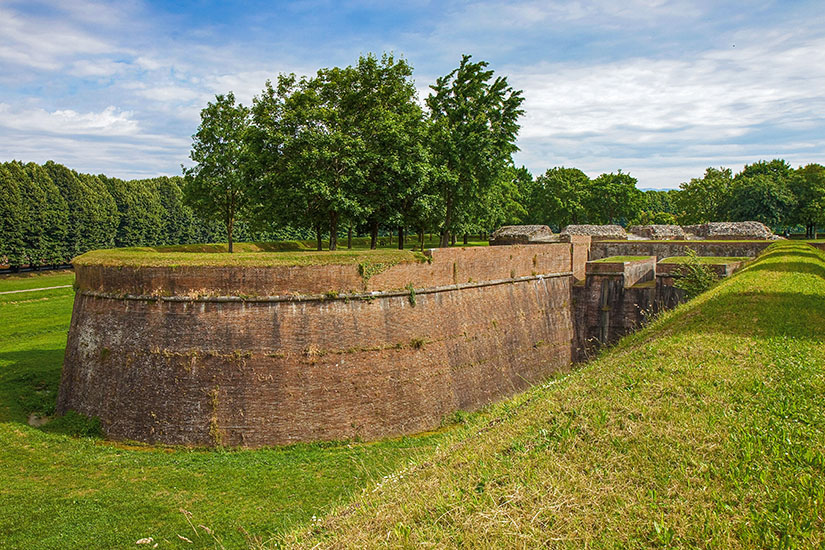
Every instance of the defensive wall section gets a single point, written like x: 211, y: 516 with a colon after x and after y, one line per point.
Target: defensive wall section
x: 667, y: 249
x: 265, y: 355
x: 247, y: 356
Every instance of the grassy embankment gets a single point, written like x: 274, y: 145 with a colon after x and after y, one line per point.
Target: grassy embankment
x: 60, y: 491
x: 620, y: 259
x: 707, y: 260
x: 705, y: 429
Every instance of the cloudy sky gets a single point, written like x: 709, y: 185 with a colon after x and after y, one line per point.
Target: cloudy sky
x: 660, y: 89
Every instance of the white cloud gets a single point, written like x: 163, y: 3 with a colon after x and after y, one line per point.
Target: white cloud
x: 44, y: 44
x: 109, y: 122
x: 589, y: 113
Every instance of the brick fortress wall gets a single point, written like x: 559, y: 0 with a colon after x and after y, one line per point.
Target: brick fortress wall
x: 667, y: 249
x: 263, y: 356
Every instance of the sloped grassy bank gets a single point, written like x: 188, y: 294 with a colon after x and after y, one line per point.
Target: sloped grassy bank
x: 706, y: 429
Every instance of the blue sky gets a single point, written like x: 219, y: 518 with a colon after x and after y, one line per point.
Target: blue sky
x: 660, y: 89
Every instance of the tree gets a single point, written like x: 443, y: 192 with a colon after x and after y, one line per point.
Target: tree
x: 761, y: 192
x: 808, y: 187
x: 341, y: 148
x: 759, y: 198
x: 558, y: 196
x: 178, y: 221
x: 613, y: 198
x: 92, y: 212
x: 658, y: 207
x: 504, y: 203
x: 217, y: 186
x: 140, y: 214
x: 704, y: 199
x: 473, y: 130
x: 307, y: 152
x: 12, y: 250
x: 384, y: 114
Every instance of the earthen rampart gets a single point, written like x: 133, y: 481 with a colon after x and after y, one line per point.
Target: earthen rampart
x: 442, y: 267
x: 255, y: 355
x: 262, y: 356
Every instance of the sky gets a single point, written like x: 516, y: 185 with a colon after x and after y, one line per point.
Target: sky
x: 658, y: 89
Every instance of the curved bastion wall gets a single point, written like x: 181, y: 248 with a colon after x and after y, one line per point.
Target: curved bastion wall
x: 255, y: 356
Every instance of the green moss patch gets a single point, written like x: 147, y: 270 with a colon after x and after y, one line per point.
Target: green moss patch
x: 248, y: 254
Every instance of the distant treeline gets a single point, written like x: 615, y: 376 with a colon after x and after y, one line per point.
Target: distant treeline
x: 50, y: 214
x: 767, y: 191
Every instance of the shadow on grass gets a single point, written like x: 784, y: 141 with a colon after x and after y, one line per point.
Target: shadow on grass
x: 791, y: 267
x: 757, y: 314
x: 28, y: 383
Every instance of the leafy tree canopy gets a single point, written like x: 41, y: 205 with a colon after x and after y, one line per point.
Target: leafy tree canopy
x: 217, y: 186
x: 474, y: 125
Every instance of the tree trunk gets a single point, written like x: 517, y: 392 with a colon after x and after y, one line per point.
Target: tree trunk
x: 421, y: 239
x: 333, y: 231
x: 400, y: 237
x: 465, y: 239
x: 448, y: 218
x: 373, y: 234
x: 229, y: 226
x: 349, y: 238
x: 318, y: 237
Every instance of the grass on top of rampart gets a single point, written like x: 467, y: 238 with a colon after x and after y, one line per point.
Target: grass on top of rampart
x: 704, y: 430
x: 246, y: 254
x: 709, y: 260
x: 621, y: 259
x: 680, y: 241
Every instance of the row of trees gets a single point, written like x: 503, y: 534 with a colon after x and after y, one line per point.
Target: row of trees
x: 768, y: 191
x: 49, y: 214
x: 352, y: 149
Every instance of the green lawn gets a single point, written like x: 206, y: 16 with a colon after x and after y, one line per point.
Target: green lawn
x: 36, y: 279
x: 60, y: 491
x: 704, y: 430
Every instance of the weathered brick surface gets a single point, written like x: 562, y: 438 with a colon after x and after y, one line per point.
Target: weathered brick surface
x: 273, y: 372
x: 581, y: 253
x: 632, y: 272
x: 606, y: 309
x: 666, y: 249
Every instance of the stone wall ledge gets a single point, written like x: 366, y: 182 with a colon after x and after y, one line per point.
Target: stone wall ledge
x: 343, y: 296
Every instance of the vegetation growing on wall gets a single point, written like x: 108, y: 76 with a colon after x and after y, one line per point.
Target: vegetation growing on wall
x: 694, y: 275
